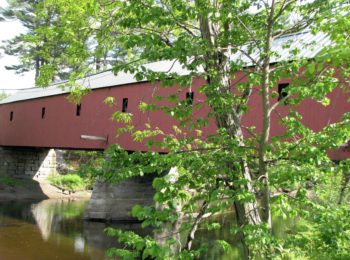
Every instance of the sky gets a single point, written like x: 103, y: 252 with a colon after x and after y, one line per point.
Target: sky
x: 8, y: 79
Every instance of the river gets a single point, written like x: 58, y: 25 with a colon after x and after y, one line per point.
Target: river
x: 51, y: 229
x: 55, y: 229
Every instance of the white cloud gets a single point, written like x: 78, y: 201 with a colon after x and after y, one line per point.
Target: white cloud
x: 8, y: 78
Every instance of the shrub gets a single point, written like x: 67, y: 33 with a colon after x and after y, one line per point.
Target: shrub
x: 69, y: 182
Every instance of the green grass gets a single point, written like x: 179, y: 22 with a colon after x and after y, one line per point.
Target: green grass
x: 8, y: 181
x: 71, y: 182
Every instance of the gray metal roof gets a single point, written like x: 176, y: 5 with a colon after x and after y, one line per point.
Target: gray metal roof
x: 307, y: 43
x: 100, y: 80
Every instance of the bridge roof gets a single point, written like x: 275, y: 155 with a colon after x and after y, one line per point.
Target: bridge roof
x: 99, y: 80
x: 307, y: 43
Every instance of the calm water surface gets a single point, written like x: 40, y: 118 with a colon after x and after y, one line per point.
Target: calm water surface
x: 52, y: 229
x: 55, y: 229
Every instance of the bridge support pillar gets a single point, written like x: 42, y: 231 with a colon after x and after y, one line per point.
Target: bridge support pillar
x: 114, y: 202
x: 28, y: 162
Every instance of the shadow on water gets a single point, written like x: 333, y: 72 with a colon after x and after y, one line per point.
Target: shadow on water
x: 227, y: 222
x: 52, y: 229
x: 209, y: 238
x: 55, y: 229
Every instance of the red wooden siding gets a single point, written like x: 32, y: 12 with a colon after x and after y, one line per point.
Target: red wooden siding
x: 62, y: 128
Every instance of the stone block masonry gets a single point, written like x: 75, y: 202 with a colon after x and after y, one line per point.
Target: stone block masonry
x: 114, y: 202
x: 108, y: 202
x: 28, y: 162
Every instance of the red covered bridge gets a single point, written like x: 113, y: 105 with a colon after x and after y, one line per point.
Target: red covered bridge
x: 44, y: 117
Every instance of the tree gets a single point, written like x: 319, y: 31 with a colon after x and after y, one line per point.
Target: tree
x: 237, y: 166
x: 336, y: 25
x: 24, y: 11
x: 36, y: 54
x: 3, y: 95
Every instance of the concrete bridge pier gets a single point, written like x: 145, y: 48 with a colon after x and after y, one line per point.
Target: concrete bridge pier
x: 32, y: 163
x: 113, y: 202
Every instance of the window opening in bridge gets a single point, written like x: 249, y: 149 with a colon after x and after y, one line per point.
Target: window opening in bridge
x: 189, y: 98
x: 282, y: 93
x: 125, y: 105
x: 43, y: 110
x: 11, y: 116
x: 78, y: 110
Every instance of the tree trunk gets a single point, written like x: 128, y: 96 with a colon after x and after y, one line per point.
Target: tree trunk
x: 246, y: 213
x: 37, y: 67
x: 263, y: 173
x: 172, y: 231
x: 219, y: 75
x: 265, y: 134
x: 344, y: 184
x: 97, y: 63
x: 198, y: 219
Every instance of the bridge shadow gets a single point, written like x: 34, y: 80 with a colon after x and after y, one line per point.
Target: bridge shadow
x: 22, y: 199
x: 20, y: 171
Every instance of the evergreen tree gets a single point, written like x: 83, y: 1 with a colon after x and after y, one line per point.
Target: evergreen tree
x: 24, y: 11
x: 31, y: 48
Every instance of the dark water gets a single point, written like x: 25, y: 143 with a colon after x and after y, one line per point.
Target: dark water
x: 52, y: 229
x: 55, y: 229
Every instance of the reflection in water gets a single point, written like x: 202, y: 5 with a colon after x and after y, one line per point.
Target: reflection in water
x: 79, y: 244
x: 50, y: 213
x: 43, y: 217
x: 50, y: 229
x: 55, y: 229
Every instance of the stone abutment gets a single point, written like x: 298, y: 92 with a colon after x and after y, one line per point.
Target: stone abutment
x: 113, y: 202
x: 109, y: 202
x: 28, y: 162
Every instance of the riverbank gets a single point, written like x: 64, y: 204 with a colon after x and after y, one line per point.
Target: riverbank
x: 20, y: 189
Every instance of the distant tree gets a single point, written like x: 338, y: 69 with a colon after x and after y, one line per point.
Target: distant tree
x: 3, y: 95
x: 29, y: 54
x: 34, y: 54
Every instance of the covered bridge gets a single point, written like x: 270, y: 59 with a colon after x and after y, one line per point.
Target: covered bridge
x: 45, y: 118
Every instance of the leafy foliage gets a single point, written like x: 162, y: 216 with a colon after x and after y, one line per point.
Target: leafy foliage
x: 227, y: 46
x: 3, y: 95
x: 36, y: 53
x: 70, y: 182
x: 84, y: 164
